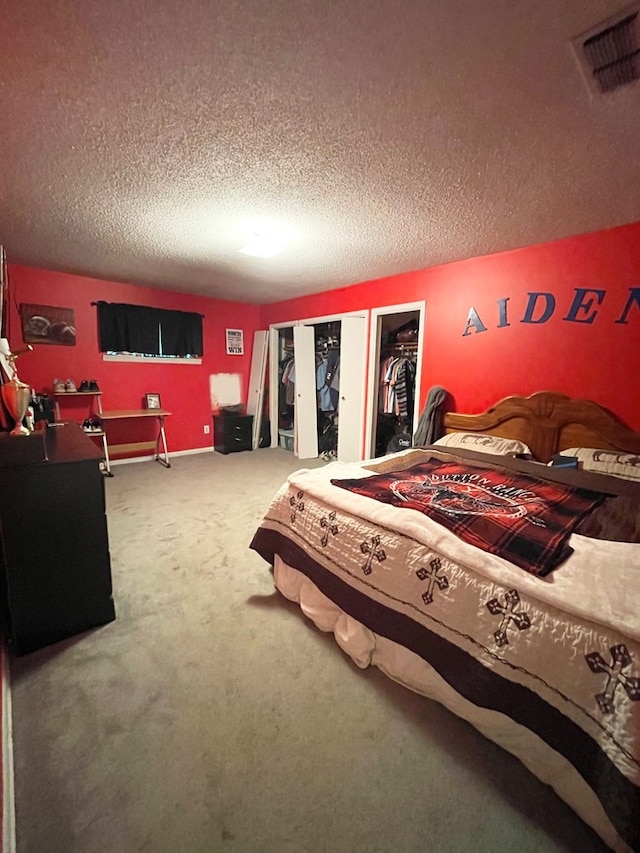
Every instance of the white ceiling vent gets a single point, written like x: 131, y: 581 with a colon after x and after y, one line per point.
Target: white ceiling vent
x: 609, y: 54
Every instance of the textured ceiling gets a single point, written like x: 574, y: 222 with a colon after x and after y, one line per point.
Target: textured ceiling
x: 145, y: 141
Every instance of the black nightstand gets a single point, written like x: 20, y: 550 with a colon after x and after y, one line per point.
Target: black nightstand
x: 232, y: 433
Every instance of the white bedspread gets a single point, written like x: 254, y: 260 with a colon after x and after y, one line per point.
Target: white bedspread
x: 600, y: 582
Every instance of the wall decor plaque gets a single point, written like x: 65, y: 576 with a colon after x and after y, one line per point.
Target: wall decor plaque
x: 44, y: 324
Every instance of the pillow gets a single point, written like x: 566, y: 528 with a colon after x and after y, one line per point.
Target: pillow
x: 483, y: 443
x: 612, y: 462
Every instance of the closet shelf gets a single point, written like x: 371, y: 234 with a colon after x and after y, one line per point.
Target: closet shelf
x: 409, y: 347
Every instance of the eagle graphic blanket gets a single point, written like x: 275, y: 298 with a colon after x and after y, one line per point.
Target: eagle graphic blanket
x: 516, y: 516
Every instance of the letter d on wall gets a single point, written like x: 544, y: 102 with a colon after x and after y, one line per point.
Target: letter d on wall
x: 550, y: 306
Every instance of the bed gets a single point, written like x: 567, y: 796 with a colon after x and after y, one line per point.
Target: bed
x: 542, y: 656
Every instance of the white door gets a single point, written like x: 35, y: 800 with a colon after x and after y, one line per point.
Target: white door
x: 352, y: 384
x: 255, y: 400
x: 306, y: 406
x: 274, y: 382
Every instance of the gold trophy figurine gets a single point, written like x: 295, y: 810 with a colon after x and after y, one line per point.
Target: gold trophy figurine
x: 16, y: 395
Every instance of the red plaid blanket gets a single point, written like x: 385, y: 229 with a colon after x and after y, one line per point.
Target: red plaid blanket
x: 526, y: 520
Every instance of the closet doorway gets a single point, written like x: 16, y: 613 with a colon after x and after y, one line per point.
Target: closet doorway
x: 395, y: 361
x: 316, y: 386
x: 281, y: 410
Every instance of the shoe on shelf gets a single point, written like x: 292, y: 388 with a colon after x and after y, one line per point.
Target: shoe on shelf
x: 70, y: 385
x: 84, y: 385
x: 58, y: 386
x: 86, y: 425
x: 96, y: 425
x: 93, y: 385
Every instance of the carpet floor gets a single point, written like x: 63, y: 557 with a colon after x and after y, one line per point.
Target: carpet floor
x: 212, y: 716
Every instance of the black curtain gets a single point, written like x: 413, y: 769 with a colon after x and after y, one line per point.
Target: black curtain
x: 136, y: 328
x: 181, y: 333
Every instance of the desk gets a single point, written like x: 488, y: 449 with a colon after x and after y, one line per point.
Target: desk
x: 129, y: 414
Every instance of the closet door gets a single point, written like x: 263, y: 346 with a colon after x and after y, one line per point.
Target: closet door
x: 274, y: 383
x: 352, y: 385
x: 306, y: 410
x: 255, y: 399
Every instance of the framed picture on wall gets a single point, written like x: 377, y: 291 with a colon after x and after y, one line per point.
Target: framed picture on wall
x: 45, y: 324
x: 152, y: 401
x: 235, y: 342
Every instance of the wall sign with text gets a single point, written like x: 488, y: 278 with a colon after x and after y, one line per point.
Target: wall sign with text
x: 235, y: 342
x: 541, y: 306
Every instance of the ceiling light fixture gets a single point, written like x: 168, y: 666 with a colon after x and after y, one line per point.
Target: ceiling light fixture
x: 262, y: 247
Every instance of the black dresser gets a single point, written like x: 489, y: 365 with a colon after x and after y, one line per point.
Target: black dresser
x: 232, y: 433
x: 54, y: 547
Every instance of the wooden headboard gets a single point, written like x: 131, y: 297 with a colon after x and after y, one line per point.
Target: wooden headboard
x: 549, y: 422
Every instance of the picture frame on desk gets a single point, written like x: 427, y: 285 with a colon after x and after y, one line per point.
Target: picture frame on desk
x: 152, y: 401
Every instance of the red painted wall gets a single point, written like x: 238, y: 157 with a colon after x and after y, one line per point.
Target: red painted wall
x: 183, y: 389
x: 597, y: 360
x: 594, y: 360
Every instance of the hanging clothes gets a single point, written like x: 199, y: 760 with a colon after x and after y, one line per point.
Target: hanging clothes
x: 286, y: 390
x: 397, y: 386
x: 327, y: 372
x: 429, y: 426
x: 334, y: 383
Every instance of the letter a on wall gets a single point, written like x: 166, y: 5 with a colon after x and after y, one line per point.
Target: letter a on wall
x: 473, y: 321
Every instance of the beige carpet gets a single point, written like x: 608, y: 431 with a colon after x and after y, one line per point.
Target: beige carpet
x: 212, y: 716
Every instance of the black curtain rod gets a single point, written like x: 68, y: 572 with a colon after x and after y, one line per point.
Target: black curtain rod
x: 149, y: 306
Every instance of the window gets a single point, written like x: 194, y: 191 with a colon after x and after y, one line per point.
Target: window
x: 142, y: 332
